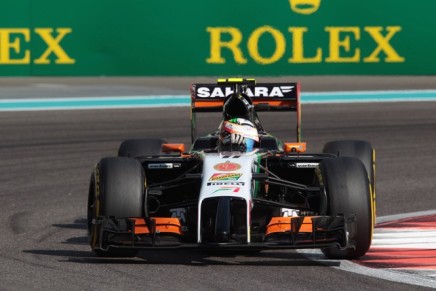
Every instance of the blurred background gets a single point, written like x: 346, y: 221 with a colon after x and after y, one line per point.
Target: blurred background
x: 193, y: 38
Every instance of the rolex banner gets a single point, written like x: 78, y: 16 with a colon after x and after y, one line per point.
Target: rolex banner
x: 217, y: 37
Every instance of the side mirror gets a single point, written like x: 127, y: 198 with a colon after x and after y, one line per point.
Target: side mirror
x: 295, y: 147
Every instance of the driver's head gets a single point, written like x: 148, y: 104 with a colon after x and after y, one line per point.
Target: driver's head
x: 237, y: 105
x: 238, y: 134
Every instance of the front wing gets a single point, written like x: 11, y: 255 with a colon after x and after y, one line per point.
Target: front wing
x: 281, y: 233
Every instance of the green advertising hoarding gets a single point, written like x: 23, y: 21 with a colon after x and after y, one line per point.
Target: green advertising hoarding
x: 217, y: 37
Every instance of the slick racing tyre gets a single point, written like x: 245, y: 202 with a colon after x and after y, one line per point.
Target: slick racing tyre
x: 361, y: 150
x: 140, y: 147
x: 116, y: 190
x: 346, y: 183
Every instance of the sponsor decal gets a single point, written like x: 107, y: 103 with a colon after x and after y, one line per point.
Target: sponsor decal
x: 227, y: 167
x: 14, y: 43
x: 234, y: 189
x: 179, y: 213
x: 258, y: 91
x: 303, y: 165
x: 225, y: 183
x: 344, y: 42
x: 305, y: 7
x: 288, y: 212
x: 164, y: 166
x: 225, y: 177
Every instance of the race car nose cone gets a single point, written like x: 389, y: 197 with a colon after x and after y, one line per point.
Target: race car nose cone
x: 222, y: 222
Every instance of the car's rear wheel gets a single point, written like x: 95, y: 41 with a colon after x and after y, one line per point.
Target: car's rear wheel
x: 140, y: 147
x: 347, y: 186
x: 116, y: 190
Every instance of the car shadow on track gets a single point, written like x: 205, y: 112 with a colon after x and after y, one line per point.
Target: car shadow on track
x: 191, y: 258
x: 75, y: 249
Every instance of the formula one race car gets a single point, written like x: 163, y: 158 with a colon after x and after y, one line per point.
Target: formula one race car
x: 236, y: 188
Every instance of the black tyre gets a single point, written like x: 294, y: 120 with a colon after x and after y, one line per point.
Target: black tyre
x: 140, y: 147
x: 359, y: 149
x: 346, y: 183
x: 117, y: 190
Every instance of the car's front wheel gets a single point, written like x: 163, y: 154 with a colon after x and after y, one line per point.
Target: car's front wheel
x: 348, y: 192
x: 116, y: 190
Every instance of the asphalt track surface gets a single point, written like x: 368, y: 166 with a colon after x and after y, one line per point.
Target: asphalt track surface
x: 47, y: 158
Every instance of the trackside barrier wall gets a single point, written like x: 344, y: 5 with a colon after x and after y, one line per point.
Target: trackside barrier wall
x: 217, y: 37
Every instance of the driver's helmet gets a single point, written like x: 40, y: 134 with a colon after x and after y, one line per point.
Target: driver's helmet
x: 237, y: 106
x: 238, y: 134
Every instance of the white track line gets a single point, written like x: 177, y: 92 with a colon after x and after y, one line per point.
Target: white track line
x: 424, y: 278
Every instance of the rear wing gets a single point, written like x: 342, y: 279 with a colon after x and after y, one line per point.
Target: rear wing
x: 265, y: 97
